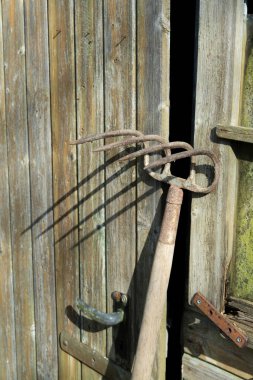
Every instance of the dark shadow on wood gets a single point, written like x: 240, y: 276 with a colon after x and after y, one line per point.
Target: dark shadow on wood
x: 125, y: 336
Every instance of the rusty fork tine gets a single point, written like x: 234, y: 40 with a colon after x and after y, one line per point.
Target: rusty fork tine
x: 104, y: 135
x: 153, y: 149
x: 191, y: 153
x: 133, y: 140
x: 181, y: 155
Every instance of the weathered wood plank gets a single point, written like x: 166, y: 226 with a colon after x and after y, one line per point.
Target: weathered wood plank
x: 120, y: 112
x: 195, y: 369
x: 204, y: 340
x: 235, y: 133
x: 218, y: 88
x: 19, y: 185
x: 62, y: 75
x: 7, y: 325
x: 90, y: 120
x: 38, y: 105
x: 153, y: 36
x: 240, y: 304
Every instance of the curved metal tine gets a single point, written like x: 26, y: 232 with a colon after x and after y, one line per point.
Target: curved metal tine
x: 104, y: 135
x: 133, y: 140
x: 153, y: 149
x: 181, y: 155
x: 191, y: 153
x: 169, y: 146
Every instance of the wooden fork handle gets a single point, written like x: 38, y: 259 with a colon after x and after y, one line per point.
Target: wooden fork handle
x: 157, y: 289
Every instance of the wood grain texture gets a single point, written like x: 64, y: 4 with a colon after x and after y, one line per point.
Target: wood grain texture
x: 235, y: 133
x: 19, y: 185
x: 90, y: 120
x: 195, y: 369
x: 7, y: 324
x: 39, y: 124
x: 203, y: 339
x: 218, y: 88
x: 120, y: 179
x: 153, y: 38
x: 68, y: 225
x: 63, y: 116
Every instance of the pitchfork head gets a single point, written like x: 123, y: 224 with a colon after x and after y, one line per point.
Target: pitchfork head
x: 136, y: 137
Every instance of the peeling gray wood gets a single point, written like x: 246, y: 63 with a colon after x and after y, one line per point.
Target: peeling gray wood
x: 19, y: 185
x: 218, y: 88
x: 7, y: 324
x: 39, y: 124
x: 91, y: 189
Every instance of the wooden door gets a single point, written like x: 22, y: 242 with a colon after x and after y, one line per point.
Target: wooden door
x: 221, y: 223
x: 75, y: 223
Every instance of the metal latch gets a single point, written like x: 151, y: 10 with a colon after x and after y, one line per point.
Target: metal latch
x: 92, y: 358
x: 227, y: 327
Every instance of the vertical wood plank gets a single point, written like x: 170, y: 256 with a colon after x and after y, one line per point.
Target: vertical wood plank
x: 153, y: 38
x: 90, y: 120
x: 220, y: 41
x: 63, y: 110
x: 7, y: 325
x: 18, y: 158
x: 120, y: 112
x: 38, y: 105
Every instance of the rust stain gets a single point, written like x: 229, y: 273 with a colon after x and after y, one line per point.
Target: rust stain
x: 122, y: 39
x: 57, y: 34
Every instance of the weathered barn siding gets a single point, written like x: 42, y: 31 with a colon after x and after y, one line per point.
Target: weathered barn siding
x: 219, y: 85
x: 71, y: 226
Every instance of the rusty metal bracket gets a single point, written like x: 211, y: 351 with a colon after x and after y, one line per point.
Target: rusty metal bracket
x: 227, y: 327
x: 92, y: 358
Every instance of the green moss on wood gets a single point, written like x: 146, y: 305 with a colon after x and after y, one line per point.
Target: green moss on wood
x: 247, y: 107
x: 242, y: 279
x: 243, y: 271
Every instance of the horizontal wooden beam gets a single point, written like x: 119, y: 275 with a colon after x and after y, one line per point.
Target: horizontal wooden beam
x: 236, y: 133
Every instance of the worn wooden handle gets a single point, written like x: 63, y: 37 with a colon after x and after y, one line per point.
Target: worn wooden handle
x: 157, y: 290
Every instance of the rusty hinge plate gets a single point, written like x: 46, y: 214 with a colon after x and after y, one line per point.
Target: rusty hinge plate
x: 92, y: 358
x: 227, y: 327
